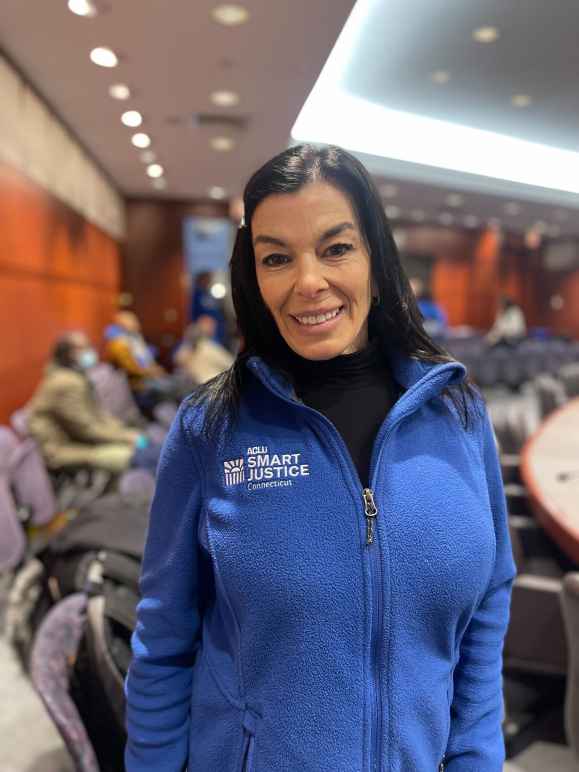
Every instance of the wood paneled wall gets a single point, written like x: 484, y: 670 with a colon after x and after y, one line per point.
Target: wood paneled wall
x: 154, y: 270
x: 57, y: 272
x: 473, y: 268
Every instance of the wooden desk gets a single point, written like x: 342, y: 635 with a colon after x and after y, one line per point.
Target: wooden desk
x: 550, y: 472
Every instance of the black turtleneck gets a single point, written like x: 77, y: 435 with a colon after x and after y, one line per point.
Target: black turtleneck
x: 355, y: 391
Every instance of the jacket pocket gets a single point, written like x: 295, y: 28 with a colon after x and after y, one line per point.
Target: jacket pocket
x: 248, y: 746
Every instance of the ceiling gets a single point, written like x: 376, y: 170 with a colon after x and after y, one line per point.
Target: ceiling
x: 173, y: 55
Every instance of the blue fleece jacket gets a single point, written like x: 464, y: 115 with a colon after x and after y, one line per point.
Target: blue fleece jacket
x: 290, y: 621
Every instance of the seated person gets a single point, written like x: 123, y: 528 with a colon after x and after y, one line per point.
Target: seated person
x: 510, y: 327
x: 200, y: 358
x: 127, y: 350
x: 68, y: 424
x: 434, y: 317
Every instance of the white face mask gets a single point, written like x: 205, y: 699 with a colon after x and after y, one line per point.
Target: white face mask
x: 87, y: 359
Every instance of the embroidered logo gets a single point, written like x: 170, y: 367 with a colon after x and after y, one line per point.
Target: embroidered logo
x: 265, y: 469
x: 234, y: 471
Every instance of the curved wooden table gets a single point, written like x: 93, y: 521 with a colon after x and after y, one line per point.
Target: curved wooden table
x: 550, y: 471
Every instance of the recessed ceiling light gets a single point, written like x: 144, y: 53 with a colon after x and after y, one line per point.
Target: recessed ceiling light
x: 417, y: 215
x: 521, y: 100
x: 471, y: 221
x: 132, y: 118
x: 82, y: 8
x: 222, y: 144
x: 392, y: 212
x: 230, y: 14
x: 147, y: 157
x: 486, y: 34
x: 104, y: 57
x: 155, y: 170
x: 217, y: 192
x: 454, y: 199
x: 141, y: 140
x: 440, y: 77
x: 513, y: 209
x: 446, y: 218
x: 388, y: 191
x: 160, y: 183
x: 225, y: 98
x: 119, y: 91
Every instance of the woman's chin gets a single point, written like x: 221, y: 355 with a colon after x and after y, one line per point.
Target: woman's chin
x: 320, y: 350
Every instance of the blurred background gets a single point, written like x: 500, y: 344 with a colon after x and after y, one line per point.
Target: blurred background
x: 128, y: 129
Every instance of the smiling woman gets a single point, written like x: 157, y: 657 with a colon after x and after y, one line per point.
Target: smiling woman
x: 317, y: 284
x: 327, y: 576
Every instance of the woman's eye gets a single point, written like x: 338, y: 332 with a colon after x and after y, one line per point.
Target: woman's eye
x: 337, y: 250
x: 275, y: 260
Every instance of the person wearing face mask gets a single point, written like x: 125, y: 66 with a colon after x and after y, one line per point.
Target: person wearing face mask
x: 327, y: 573
x: 66, y: 421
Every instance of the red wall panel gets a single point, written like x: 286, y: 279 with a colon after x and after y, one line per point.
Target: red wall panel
x: 57, y: 272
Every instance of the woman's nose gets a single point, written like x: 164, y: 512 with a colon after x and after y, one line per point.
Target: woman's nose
x: 310, y: 277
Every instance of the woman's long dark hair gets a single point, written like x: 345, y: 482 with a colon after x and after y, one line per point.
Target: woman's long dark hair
x: 395, y: 321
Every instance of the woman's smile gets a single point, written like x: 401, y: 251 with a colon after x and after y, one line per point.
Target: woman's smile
x: 313, y: 270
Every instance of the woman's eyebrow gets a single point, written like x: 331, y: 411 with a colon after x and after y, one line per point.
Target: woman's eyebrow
x: 262, y: 239
x: 335, y: 230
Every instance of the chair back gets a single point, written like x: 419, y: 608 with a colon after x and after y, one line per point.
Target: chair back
x: 12, y: 537
x: 569, y: 375
x: 19, y: 422
x: 55, y: 647
x: 114, y: 393
x: 550, y: 393
x: 570, y: 606
x: 32, y: 486
x: 137, y: 483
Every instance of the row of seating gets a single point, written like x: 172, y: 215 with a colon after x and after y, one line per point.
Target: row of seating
x: 30, y: 497
x: 541, y: 652
x: 514, y: 366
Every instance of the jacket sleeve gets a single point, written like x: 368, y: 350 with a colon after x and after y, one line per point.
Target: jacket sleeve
x: 476, y: 742
x: 158, y: 685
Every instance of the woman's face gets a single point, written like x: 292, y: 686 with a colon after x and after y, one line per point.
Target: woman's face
x: 313, y: 270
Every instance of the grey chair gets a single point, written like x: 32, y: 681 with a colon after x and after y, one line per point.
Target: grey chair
x: 550, y: 393
x: 55, y: 648
x: 535, y: 642
x: 569, y: 375
x: 26, y: 496
x: 114, y: 394
x: 19, y: 422
x: 570, y: 606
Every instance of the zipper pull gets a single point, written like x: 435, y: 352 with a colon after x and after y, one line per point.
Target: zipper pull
x: 371, y: 512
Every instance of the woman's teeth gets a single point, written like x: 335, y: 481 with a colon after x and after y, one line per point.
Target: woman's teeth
x: 308, y: 320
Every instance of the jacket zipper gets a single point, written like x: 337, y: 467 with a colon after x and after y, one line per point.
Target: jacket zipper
x: 377, y: 589
x: 371, y: 512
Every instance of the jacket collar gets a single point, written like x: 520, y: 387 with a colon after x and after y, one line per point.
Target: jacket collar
x: 422, y: 380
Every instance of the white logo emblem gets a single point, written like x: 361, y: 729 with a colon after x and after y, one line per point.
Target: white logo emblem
x: 265, y: 469
x: 234, y: 472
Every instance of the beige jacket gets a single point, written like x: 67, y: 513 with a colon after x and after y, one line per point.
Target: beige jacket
x: 71, y: 429
x: 203, y: 362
